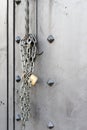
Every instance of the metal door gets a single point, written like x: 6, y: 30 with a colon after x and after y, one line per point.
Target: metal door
x: 63, y: 61
x: 3, y: 66
x: 6, y: 64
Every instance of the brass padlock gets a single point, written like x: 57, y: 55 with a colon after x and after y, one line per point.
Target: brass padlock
x: 33, y: 79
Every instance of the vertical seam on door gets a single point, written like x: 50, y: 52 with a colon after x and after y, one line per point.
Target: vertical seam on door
x: 7, y: 64
x: 14, y: 65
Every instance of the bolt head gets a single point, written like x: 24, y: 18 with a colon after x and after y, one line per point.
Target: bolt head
x: 50, y: 125
x: 50, y: 38
x: 18, y: 39
x: 18, y: 117
x: 50, y: 82
x: 18, y: 79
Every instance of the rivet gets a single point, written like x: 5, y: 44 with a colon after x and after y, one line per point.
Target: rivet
x: 18, y: 2
x: 18, y: 117
x: 50, y: 38
x: 18, y: 79
x: 50, y: 125
x: 50, y: 82
x: 18, y: 39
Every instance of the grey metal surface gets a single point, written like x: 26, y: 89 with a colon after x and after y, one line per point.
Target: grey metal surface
x: 3, y: 66
x: 10, y: 6
x: 64, y: 61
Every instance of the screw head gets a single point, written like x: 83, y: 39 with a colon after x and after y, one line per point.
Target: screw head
x: 18, y: 79
x: 50, y: 38
x: 18, y: 117
x: 50, y: 125
x: 18, y: 2
x: 18, y: 39
x: 50, y: 82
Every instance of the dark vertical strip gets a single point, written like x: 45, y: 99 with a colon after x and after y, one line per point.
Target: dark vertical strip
x: 27, y: 17
x: 14, y: 65
x: 7, y: 64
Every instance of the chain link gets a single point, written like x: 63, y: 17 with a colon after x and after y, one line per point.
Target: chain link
x: 28, y: 55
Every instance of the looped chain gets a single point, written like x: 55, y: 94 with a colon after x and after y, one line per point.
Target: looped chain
x: 28, y: 55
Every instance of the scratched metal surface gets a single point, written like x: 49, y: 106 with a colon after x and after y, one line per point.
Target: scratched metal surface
x: 64, y: 61
x: 3, y: 66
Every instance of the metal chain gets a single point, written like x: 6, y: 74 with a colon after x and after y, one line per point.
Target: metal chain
x: 25, y: 54
x: 28, y: 55
x: 28, y: 51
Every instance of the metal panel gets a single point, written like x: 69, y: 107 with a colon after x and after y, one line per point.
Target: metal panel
x: 3, y: 65
x: 64, y: 61
x: 10, y: 64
